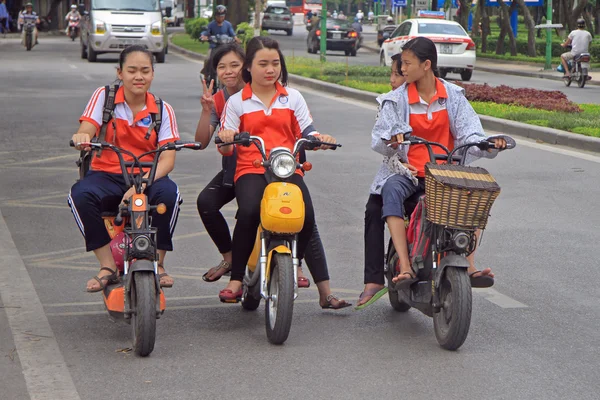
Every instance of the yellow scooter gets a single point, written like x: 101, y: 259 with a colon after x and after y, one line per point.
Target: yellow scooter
x: 272, y: 268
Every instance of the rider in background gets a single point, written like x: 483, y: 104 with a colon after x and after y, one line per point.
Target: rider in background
x: 104, y: 186
x: 579, y: 40
x: 29, y: 16
x: 219, y: 26
x: 280, y: 116
x: 73, y: 13
x: 434, y: 110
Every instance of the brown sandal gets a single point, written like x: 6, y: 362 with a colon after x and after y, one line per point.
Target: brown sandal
x: 164, y: 274
x: 340, y: 303
x: 113, y: 277
x: 224, y: 265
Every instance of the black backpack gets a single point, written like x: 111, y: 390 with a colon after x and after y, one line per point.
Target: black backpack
x: 108, y: 114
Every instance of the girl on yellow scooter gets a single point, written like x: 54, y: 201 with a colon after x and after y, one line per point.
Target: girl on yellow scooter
x: 104, y: 183
x: 266, y: 108
x: 425, y: 107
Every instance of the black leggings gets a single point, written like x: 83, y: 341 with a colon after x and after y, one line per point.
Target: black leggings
x: 210, y: 201
x: 249, y: 190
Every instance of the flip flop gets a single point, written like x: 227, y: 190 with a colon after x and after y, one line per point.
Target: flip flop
x: 375, y: 294
x: 113, y: 277
x: 222, y: 265
x: 406, y: 282
x: 482, y: 281
x: 342, y: 303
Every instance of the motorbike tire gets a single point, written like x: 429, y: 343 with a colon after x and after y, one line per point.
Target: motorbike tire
x: 83, y: 51
x: 252, y: 299
x: 567, y: 81
x: 279, y: 307
x: 143, y: 319
x: 353, y: 53
x: 393, y: 295
x: 451, y: 324
x: 160, y: 57
x: 28, y: 41
x: 582, y: 78
x: 92, y: 56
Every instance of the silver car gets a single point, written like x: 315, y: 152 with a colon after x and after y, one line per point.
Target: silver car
x: 278, y: 18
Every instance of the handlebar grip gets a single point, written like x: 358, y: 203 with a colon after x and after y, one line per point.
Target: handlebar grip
x: 218, y: 140
x: 118, y: 220
x: 71, y: 143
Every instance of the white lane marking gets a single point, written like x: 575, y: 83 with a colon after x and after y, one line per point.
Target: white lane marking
x: 53, y: 253
x: 44, y: 369
x: 87, y: 77
x: 499, y: 299
x: 73, y: 66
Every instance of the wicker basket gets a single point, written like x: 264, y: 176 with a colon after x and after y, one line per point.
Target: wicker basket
x: 458, y: 196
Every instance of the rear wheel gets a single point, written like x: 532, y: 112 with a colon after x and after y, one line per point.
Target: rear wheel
x: 251, y: 299
x: 582, y: 78
x: 143, y: 320
x: 466, y: 75
x: 160, y: 57
x: 279, y: 307
x: 451, y: 324
x: 393, y: 295
x: 353, y: 52
x: 382, y: 60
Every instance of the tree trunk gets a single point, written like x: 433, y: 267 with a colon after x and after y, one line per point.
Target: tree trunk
x: 588, y: 22
x: 485, y: 26
x: 476, y: 29
x: 500, y: 43
x: 237, y: 11
x: 465, y: 9
x: 578, y: 11
x: 597, y: 17
x: 530, y: 23
x: 505, y: 20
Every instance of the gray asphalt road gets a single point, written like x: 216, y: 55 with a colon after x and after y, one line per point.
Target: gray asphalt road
x: 533, y: 336
x: 296, y: 45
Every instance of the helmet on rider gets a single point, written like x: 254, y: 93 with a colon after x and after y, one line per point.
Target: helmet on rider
x: 73, y: 6
x: 581, y: 23
x: 28, y: 5
x: 355, y: 19
x: 220, y: 10
x: 390, y: 20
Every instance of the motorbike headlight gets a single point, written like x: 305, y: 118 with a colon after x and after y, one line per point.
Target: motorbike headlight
x: 100, y: 28
x: 141, y: 243
x: 283, y: 165
x: 156, y: 28
x: 461, y: 240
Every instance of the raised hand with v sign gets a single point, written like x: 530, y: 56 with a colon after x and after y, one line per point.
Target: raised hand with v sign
x: 207, y: 100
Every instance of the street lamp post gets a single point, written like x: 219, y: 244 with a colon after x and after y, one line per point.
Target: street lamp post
x: 323, y: 31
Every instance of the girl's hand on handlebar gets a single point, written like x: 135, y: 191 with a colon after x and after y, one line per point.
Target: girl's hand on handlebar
x: 326, y: 139
x: 499, y: 143
x: 395, y: 141
x: 128, y: 195
x: 207, y: 100
x: 227, y: 135
x: 81, y: 138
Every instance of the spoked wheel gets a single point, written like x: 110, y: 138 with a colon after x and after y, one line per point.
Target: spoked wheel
x: 451, y: 324
x: 143, y: 320
x: 279, y: 306
x: 395, y: 301
x: 582, y: 78
x: 567, y: 81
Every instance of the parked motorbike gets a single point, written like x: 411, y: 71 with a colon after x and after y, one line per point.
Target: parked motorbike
x: 29, y: 26
x: 137, y: 297
x: 271, y: 273
x: 441, y: 235
x: 208, y: 71
x: 578, y: 68
x: 73, y: 27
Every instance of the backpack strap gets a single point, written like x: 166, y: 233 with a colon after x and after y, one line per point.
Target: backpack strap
x: 156, y: 119
x: 108, y: 113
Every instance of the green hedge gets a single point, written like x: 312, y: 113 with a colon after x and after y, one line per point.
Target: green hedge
x: 195, y: 26
x: 540, y: 46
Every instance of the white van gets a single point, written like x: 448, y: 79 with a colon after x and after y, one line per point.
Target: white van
x: 112, y: 25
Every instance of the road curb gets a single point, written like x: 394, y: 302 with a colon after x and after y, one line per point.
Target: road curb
x: 527, y: 74
x: 547, y: 135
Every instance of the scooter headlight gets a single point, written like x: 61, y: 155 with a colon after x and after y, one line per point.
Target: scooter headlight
x: 283, y: 165
x: 141, y: 243
x: 461, y: 240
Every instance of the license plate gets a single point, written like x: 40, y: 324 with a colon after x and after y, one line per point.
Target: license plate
x: 585, y: 65
x: 446, y: 49
x: 129, y: 42
x: 337, y: 35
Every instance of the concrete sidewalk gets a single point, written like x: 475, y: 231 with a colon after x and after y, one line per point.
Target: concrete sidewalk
x: 512, y: 68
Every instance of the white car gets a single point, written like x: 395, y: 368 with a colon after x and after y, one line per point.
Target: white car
x: 455, y: 48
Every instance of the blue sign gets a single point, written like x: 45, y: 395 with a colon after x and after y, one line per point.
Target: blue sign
x: 399, y: 3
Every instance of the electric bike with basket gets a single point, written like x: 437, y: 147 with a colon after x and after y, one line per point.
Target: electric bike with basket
x: 136, y: 298
x: 272, y: 268
x: 441, y: 234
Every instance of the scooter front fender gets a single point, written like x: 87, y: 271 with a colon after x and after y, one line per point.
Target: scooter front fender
x: 451, y: 260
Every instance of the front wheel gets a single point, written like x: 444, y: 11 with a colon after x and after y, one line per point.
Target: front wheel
x: 28, y: 41
x: 92, y: 55
x: 279, y: 307
x: 582, y: 78
x: 567, y: 81
x: 143, y: 305
x: 451, y: 324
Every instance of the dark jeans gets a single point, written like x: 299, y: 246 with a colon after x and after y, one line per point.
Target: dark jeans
x: 101, y: 191
x: 375, y: 233
x: 249, y: 190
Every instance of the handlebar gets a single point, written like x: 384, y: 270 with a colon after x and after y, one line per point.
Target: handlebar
x: 245, y: 139
x: 132, y: 177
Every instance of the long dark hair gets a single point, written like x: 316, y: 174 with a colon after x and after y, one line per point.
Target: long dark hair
x: 424, y: 49
x: 221, y: 51
x: 135, y: 49
x: 258, y: 43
